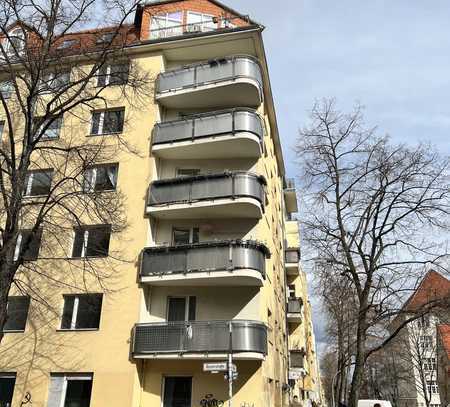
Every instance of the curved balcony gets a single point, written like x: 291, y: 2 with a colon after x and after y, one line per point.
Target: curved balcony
x: 201, y: 264
x: 224, y: 82
x: 200, y: 340
x: 227, y: 195
x: 231, y: 133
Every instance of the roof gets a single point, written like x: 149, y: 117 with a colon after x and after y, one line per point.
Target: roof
x: 433, y: 287
x: 444, y: 333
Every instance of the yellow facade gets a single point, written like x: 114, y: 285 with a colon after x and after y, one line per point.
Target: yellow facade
x: 120, y: 376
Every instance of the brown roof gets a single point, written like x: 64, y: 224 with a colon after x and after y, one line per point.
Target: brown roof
x: 433, y: 287
x: 444, y: 333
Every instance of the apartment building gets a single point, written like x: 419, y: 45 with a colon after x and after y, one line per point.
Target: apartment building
x: 214, y: 272
x: 443, y: 363
x: 416, y: 349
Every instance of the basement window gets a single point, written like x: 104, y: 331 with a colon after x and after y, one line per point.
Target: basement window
x: 108, y: 121
x: 72, y: 390
x: 81, y: 311
x: 38, y: 183
x: 91, y: 241
x: 17, y: 313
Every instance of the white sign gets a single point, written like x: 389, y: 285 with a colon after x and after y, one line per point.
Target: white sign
x: 218, y: 367
x: 296, y: 374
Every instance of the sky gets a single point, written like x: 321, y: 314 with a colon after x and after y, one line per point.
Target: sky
x: 391, y: 56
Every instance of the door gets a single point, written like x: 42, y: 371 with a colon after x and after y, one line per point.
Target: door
x: 179, y: 310
x: 177, y: 391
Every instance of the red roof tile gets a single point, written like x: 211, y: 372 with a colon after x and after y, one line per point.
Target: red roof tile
x: 444, y: 333
x: 433, y: 287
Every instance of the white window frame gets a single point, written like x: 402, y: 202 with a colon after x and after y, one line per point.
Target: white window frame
x: 73, y: 321
x: 50, y: 77
x: 205, y: 19
x: 85, y: 242
x: 108, y: 73
x: 165, y: 30
x: 102, y: 120
x: 187, y: 300
x: 191, y: 233
x: 66, y: 379
x: 9, y: 50
x: 55, y: 133
x: 92, y: 178
x: 30, y: 182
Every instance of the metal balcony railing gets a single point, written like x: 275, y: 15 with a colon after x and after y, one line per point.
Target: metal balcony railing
x: 294, y: 305
x: 233, y: 121
x: 291, y: 256
x: 231, y: 185
x: 210, y: 72
x: 227, y: 255
x: 199, y: 337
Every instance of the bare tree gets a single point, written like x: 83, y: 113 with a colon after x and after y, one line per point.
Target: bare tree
x: 52, y: 74
x: 375, y: 212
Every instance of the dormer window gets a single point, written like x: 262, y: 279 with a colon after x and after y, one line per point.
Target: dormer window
x: 105, y: 38
x: 15, y: 44
x: 199, y: 22
x: 67, y: 44
x: 166, y: 25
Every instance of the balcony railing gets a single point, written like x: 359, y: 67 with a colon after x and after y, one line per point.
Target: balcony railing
x: 210, y: 72
x: 207, y: 187
x: 199, y: 337
x: 292, y: 256
x: 294, y: 305
x: 228, y: 255
x: 196, y: 127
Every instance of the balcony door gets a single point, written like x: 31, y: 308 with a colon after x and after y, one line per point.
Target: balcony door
x: 177, y: 392
x: 181, y: 309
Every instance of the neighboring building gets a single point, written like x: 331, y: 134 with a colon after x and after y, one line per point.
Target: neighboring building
x: 415, y: 349
x: 443, y: 362
x: 213, y: 244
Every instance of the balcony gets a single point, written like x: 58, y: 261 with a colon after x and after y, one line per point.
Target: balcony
x: 292, y: 261
x: 290, y: 196
x: 231, y: 133
x: 200, y: 340
x: 226, y: 195
x: 211, y: 263
x: 225, y: 82
x: 294, y: 309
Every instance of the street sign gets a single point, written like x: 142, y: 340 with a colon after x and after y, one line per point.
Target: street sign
x: 233, y: 377
x: 296, y: 374
x: 218, y: 367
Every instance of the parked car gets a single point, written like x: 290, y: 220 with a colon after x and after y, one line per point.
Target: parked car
x: 372, y: 403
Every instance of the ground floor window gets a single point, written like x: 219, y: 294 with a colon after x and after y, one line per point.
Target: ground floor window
x: 70, y: 390
x: 177, y: 391
x: 7, y: 382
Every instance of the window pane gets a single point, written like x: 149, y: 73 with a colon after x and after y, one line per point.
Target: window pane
x: 41, y: 184
x: 113, y: 121
x: 7, y: 383
x: 181, y: 236
x: 106, y: 178
x: 32, y: 251
x: 98, y: 241
x: 78, y: 242
x: 17, y: 313
x: 192, y: 308
x: 89, y: 309
x: 66, y: 320
x: 78, y: 393
x: 118, y: 74
x: 95, y: 122
x: 177, y: 309
x: 102, y: 73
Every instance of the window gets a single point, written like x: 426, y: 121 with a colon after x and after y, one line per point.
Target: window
x: 115, y: 74
x: 101, y: 178
x: 2, y: 127
x: 38, y: 182
x: 187, y: 172
x: 53, y: 129
x: 55, y: 81
x: 91, y: 241
x: 67, y: 44
x: 108, y: 121
x: 432, y: 387
x: 7, y: 382
x: 166, y: 25
x: 181, y: 309
x: 429, y: 364
x: 17, y: 313
x: 185, y: 236
x: 34, y: 244
x: 72, y: 390
x: 297, y: 359
x: 424, y: 322
x: 15, y: 44
x: 81, y: 311
x: 105, y: 38
x: 201, y: 22
x: 177, y: 391
x: 6, y: 89
x: 426, y: 342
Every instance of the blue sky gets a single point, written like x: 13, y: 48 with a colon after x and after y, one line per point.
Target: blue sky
x: 392, y: 56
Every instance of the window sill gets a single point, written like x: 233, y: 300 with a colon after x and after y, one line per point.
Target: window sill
x: 14, y: 331
x: 36, y: 196
x: 99, y: 191
x: 105, y: 134
x: 88, y: 257
x: 78, y: 330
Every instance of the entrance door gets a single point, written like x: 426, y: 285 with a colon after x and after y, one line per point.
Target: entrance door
x: 177, y: 391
